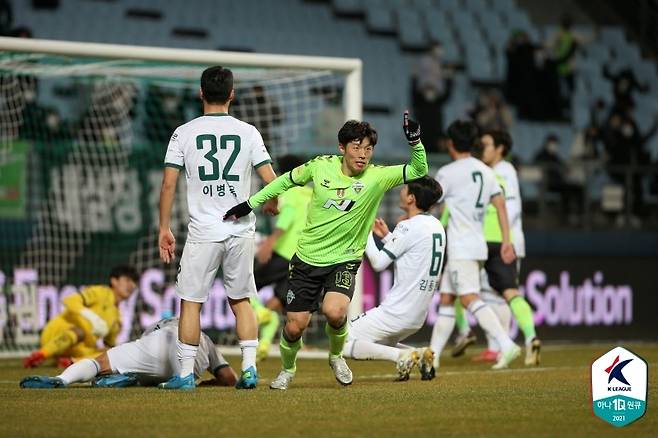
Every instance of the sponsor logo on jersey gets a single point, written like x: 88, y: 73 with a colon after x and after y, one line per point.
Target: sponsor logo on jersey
x: 344, y: 205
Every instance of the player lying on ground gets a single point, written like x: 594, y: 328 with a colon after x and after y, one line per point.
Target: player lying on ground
x: 274, y: 253
x: 148, y: 361
x: 469, y: 185
x: 88, y: 316
x: 503, y: 277
x: 347, y: 190
x: 217, y: 153
x: 416, y: 247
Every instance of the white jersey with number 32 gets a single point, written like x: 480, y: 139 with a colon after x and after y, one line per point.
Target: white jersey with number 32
x: 468, y: 185
x: 217, y: 153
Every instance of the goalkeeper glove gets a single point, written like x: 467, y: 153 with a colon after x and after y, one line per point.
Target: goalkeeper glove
x: 411, y: 130
x: 238, y: 211
x: 98, y: 325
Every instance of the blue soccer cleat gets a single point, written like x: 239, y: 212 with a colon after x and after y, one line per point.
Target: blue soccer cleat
x: 42, y: 382
x: 115, y: 381
x: 248, y: 379
x: 186, y: 383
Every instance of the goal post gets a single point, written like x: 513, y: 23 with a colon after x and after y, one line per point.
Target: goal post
x: 83, y: 131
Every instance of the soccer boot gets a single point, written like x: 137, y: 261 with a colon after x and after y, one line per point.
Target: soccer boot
x: 115, y: 381
x: 462, y: 343
x: 533, y: 352
x: 407, y: 360
x: 507, y: 357
x: 282, y: 381
x: 42, y: 382
x: 427, y: 371
x: 341, y: 371
x: 486, y: 356
x: 262, y: 351
x: 248, y: 379
x: 177, y: 382
x: 35, y: 359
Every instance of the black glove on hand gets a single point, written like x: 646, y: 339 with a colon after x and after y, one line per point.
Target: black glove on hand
x: 411, y: 130
x: 238, y: 211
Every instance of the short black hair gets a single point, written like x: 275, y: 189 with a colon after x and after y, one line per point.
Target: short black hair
x: 355, y: 130
x: 463, y: 134
x: 427, y: 192
x: 500, y: 138
x: 288, y: 162
x: 216, y: 84
x: 124, y: 271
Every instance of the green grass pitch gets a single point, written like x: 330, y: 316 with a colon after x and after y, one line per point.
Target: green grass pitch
x: 466, y: 399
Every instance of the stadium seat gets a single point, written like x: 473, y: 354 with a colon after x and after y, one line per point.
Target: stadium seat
x: 348, y: 7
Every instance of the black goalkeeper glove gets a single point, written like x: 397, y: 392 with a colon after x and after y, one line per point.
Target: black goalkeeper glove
x: 240, y: 210
x: 411, y: 129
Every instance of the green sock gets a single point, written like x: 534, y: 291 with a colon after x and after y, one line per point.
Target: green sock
x: 268, y: 329
x: 336, y: 339
x: 460, y: 319
x: 523, y: 315
x: 289, y: 352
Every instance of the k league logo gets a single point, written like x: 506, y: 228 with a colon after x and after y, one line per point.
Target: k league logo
x: 619, y: 387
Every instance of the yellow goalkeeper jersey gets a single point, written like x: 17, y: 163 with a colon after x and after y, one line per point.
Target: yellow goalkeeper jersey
x: 99, y: 299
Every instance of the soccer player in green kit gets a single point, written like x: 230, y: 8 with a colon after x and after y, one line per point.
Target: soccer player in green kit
x: 346, y: 195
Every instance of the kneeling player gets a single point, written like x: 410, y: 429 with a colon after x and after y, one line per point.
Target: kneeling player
x: 148, y: 361
x: 416, y: 245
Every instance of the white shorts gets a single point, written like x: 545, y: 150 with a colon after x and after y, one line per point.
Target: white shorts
x: 376, y: 326
x: 151, y: 355
x: 201, y: 260
x: 461, y: 277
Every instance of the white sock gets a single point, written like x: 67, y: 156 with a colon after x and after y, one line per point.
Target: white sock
x: 82, y: 371
x: 364, y: 350
x: 443, y: 327
x: 249, y: 353
x: 489, y: 322
x: 186, y: 355
x: 503, y: 313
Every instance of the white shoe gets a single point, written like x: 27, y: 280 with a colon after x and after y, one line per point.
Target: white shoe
x: 407, y: 360
x: 507, y: 357
x: 341, y: 370
x: 282, y: 380
x: 532, y: 352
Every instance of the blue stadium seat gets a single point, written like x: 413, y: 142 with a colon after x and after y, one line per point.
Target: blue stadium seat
x: 349, y: 7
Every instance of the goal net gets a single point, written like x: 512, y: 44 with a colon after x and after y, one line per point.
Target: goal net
x: 83, y: 133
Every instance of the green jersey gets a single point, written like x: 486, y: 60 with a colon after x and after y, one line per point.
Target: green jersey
x: 342, y: 208
x: 293, y: 206
x: 491, y: 225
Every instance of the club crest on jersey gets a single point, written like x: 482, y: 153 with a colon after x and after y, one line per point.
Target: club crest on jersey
x: 340, y: 192
x: 357, y: 186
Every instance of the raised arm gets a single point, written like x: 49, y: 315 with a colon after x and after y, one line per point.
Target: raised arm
x: 416, y: 167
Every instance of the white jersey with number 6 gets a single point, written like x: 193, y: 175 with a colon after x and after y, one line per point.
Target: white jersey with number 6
x: 417, y: 245
x: 468, y: 185
x: 217, y: 153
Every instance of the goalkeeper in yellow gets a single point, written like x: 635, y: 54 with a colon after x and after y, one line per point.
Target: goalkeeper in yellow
x: 88, y: 316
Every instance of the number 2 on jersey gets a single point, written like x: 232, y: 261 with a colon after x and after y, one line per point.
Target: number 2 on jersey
x: 437, y: 253
x: 477, y: 175
x: 210, y: 139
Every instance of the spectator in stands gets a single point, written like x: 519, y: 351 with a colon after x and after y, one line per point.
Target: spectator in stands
x: 563, y: 48
x: 256, y: 107
x: 556, y: 180
x: 624, y: 83
x: 531, y: 83
x: 491, y: 113
x: 625, y: 147
x: 430, y: 88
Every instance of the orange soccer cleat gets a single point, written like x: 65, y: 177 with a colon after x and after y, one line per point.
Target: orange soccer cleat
x: 486, y: 356
x: 34, y: 359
